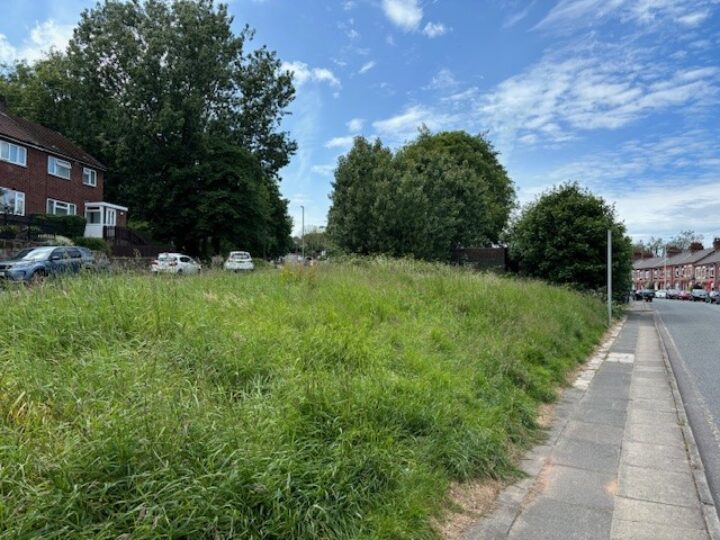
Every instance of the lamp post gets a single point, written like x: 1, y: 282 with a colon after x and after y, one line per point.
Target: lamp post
x: 302, y: 233
x: 665, y: 276
x: 609, y: 276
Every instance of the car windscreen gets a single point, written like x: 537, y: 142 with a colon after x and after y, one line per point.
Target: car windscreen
x: 239, y: 257
x: 166, y: 258
x: 34, y: 254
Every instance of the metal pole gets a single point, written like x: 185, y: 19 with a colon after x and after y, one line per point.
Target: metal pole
x: 302, y: 233
x: 665, y: 276
x: 609, y: 276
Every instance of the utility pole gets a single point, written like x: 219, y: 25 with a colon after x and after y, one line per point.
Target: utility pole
x: 302, y: 233
x: 665, y: 276
x: 609, y: 276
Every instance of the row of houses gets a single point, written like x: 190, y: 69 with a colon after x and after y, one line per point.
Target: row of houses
x: 696, y: 267
x: 43, y: 172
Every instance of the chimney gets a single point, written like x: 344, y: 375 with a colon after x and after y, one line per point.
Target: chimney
x: 637, y: 255
x: 3, y: 103
x: 716, y: 244
x: 672, y: 251
x: 696, y: 246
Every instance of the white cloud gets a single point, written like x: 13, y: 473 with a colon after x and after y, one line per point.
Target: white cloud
x: 401, y: 127
x: 443, y: 80
x: 302, y: 73
x: 433, y: 30
x: 518, y: 16
x: 367, y: 67
x: 570, y: 14
x: 355, y: 125
x: 43, y: 37
x: 340, y: 142
x: 602, y: 87
x: 405, y: 14
x: 323, y: 170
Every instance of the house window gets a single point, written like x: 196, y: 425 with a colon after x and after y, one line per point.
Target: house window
x: 13, y: 153
x: 59, y: 167
x: 12, y: 202
x: 89, y: 177
x: 61, y: 208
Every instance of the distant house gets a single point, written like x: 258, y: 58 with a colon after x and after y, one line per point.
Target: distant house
x: 697, y: 267
x: 42, y: 172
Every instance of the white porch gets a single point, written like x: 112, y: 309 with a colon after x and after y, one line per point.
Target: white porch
x: 100, y: 215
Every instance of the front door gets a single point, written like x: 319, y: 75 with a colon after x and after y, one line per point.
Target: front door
x: 110, y: 217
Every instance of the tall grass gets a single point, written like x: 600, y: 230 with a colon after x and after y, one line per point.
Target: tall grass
x: 332, y: 402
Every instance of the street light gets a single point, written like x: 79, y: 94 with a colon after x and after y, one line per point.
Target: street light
x: 302, y: 233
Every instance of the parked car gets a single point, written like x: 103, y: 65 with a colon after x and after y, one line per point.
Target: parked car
x: 672, y: 294
x: 175, y: 263
x: 684, y: 295
x: 41, y: 262
x: 239, y: 261
x: 662, y: 293
x: 645, y: 294
x: 699, y: 295
x: 713, y: 297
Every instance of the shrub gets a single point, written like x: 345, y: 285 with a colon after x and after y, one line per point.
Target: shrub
x: 94, y: 244
x: 70, y: 226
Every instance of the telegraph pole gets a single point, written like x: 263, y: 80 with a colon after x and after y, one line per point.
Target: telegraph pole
x: 609, y: 276
x: 302, y: 233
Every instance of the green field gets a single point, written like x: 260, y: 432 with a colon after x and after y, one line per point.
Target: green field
x: 331, y: 402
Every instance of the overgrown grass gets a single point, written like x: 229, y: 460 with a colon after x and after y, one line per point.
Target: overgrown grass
x: 333, y: 402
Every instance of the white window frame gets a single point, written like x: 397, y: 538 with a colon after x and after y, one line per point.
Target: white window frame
x: 52, y: 205
x: 53, y: 163
x: 89, y: 177
x: 19, y: 201
x: 6, y: 149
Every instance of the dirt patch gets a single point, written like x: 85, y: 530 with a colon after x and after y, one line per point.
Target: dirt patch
x: 542, y: 480
x: 468, y: 502
x: 546, y: 415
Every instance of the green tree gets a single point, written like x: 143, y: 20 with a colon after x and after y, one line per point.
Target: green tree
x: 440, y: 191
x: 356, y: 219
x: 153, y: 89
x: 562, y: 238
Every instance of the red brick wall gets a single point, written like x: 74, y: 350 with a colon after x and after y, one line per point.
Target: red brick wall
x: 39, y: 186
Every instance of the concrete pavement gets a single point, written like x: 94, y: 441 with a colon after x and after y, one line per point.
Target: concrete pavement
x: 619, y: 461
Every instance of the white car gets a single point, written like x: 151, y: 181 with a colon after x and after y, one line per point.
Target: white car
x: 662, y: 293
x: 239, y: 261
x: 175, y: 263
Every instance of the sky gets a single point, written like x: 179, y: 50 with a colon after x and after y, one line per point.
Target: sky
x: 622, y: 96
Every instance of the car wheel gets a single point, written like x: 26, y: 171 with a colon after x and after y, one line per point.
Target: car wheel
x: 38, y: 277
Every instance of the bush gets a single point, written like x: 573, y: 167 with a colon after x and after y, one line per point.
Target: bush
x: 70, y: 226
x: 94, y: 244
x: 9, y: 232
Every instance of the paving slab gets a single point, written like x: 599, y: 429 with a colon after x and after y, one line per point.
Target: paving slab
x: 554, y: 520
x: 634, y: 530
x: 656, y: 513
x: 593, y: 456
x: 654, y: 456
x: 584, y: 431
x: 668, y: 487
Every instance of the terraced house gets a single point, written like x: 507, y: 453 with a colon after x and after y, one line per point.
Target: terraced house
x: 43, y: 172
x: 696, y: 267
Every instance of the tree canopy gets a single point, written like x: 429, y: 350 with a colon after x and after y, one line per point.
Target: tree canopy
x: 562, y: 238
x: 185, y: 117
x: 437, y: 192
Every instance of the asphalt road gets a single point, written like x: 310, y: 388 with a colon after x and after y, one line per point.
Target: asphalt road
x: 694, y: 349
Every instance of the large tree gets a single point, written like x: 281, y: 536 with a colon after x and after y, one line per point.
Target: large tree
x: 439, y: 191
x: 562, y: 237
x: 155, y: 89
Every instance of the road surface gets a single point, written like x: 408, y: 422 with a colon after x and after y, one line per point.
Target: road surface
x: 694, y: 350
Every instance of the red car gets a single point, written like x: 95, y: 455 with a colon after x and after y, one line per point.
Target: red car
x: 684, y: 295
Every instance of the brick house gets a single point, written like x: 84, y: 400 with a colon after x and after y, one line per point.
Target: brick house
x: 680, y: 269
x: 42, y: 172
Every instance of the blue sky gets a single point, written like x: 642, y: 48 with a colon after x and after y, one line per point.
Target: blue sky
x: 620, y: 95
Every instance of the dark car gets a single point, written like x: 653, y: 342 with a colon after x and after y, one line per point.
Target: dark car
x: 645, y: 294
x: 684, y: 295
x: 41, y: 262
x: 699, y: 295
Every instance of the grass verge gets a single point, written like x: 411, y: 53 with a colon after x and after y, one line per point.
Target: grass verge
x: 333, y: 402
